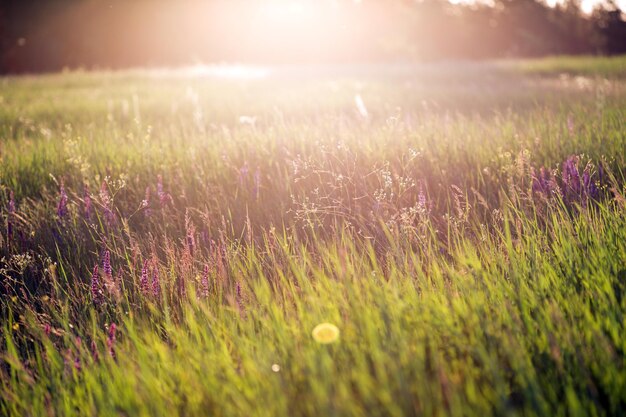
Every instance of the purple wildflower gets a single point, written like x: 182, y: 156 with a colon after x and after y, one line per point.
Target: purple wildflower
x: 96, y: 290
x: 62, y: 205
x: 238, y: 293
x: 107, y: 203
x: 77, y: 365
x: 146, y: 203
x: 94, y: 351
x: 143, y: 283
x: 570, y: 124
x: 543, y: 182
x: 11, y: 213
x: 164, y: 198
x: 111, y: 340
x: 570, y: 175
x: 156, y: 285
x: 106, y: 265
x: 88, y: 203
x: 589, y: 184
x: 204, y: 282
x: 243, y: 173
x: 257, y: 183
x: 11, y: 202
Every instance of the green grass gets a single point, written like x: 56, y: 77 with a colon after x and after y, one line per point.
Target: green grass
x: 611, y: 66
x: 458, y: 286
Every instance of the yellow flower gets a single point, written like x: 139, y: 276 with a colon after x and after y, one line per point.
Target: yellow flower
x: 325, y: 333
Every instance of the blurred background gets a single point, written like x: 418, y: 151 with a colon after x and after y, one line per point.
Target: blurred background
x: 51, y: 35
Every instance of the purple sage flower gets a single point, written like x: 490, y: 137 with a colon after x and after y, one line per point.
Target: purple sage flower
x: 111, y: 340
x: 106, y: 265
x: 94, y: 351
x: 204, y: 282
x: 88, y: 203
x: 96, y: 287
x: 144, y: 283
x: 62, y: 205
x: 156, y: 285
x: 570, y: 176
x: 257, y: 183
x: 11, y: 213
x: 107, y: 204
x: 243, y: 173
x: 145, y: 204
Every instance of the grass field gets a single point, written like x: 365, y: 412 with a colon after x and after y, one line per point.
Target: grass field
x: 168, y: 243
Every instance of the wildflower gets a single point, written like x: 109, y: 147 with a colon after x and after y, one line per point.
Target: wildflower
x: 247, y: 120
x: 257, y: 183
x: 111, y: 340
x: 164, y: 198
x: 96, y: 291
x: 88, y: 203
x: 11, y: 202
x: 94, y: 351
x: 589, y: 184
x: 325, y: 333
x: 62, y: 205
x: 107, y: 203
x: 11, y: 214
x: 543, y: 182
x: 360, y: 106
x: 156, y: 285
x: 143, y: 282
x: 570, y: 124
x: 190, y: 232
x: 145, y: 203
x: 77, y: 365
x: 106, y: 265
x: 204, y: 282
x: 243, y: 173
x: 570, y: 175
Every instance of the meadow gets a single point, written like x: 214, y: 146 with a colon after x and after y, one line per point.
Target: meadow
x: 169, y: 241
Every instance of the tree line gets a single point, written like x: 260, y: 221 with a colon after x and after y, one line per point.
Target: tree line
x: 48, y: 35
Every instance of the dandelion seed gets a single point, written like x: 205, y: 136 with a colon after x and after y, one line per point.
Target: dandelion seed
x: 325, y: 333
x: 360, y: 105
x: 247, y: 120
